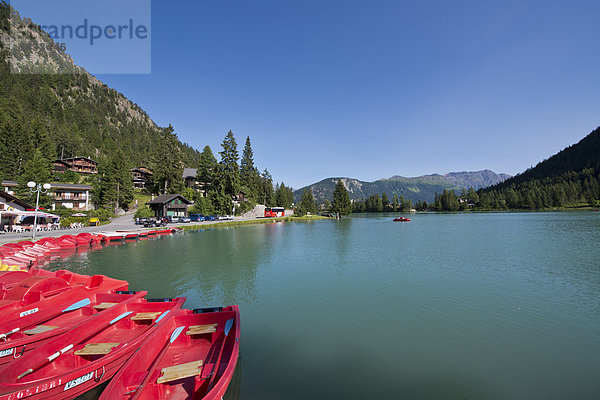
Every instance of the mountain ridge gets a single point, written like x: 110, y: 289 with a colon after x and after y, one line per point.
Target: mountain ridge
x: 415, y: 188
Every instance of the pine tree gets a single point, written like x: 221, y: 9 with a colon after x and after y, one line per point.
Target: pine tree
x: 437, y: 203
x: 284, y: 196
x: 221, y: 202
x: 307, y: 203
x: 404, y: 204
x: 250, y: 178
x: 395, y: 203
x: 472, y: 196
x: 115, y: 186
x: 341, y: 204
x: 37, y: 170
x: 378, y: 203
x: 229, y: 170
x: 449, y: 201
x: 357, y: 207
x: 385, y: 201
x: 207, y: 169
x: 168, y: 169
x: 40, y: 139
x: 267, y: 195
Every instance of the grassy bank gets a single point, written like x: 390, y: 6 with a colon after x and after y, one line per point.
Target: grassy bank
x: 227, y: 224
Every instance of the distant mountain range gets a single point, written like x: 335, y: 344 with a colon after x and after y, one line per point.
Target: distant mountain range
x: 418, y: 188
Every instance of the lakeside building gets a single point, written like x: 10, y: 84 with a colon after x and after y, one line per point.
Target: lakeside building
x: 190, y: 180
x: 241, y: 196
x: 82, y: 165
x: 9, y: 202
x: 189, y: 177
x: 141, y: 177
x: 9, y: 186
x: 68, y: 195
x: 11, y: 208
x: 168, y: 205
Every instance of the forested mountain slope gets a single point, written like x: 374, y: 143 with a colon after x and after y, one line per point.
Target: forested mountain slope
x: 64, y: 115
x: 570, y: 177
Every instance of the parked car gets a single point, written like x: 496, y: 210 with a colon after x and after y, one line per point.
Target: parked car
x: 209, y: 217
x: 196, y: 217
x: 225, y: 217
x: 185, y: 220
x: 152, y: 222
x: 174, y: 219
x: 149, y: 223
x: 141, y: 221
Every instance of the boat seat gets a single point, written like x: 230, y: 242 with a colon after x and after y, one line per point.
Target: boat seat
x: 180, y: 371
x: 201, y: 329
x: 145, y: 316
x: 104, y: 306
x: 39, y: 329
x: 94, y: 349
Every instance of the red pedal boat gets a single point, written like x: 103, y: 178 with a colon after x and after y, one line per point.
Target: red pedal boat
x: 38, y: 292
x: 193, y: 355
x: 78, y: 360
x: 21, y: 335
x: 10, y: 279
x: 401, y: 219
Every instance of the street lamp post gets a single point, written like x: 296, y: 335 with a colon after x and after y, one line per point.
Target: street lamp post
x: 37, y: 188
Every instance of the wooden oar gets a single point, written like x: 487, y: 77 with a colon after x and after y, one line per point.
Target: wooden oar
x: 215, y: 367
x: 69, y: 347
x: 72, y: 307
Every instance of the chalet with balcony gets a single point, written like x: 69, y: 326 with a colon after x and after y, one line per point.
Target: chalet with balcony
x: 141, y: 177
x: 82, y: 165
x: 72, y: 196
x: 189, y: 177
x: 169, y: 205
x: 241, y: 197
x: 190, y: 180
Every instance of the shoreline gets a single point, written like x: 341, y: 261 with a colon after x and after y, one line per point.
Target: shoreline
x: 256, y: 221
x: 126, y: 222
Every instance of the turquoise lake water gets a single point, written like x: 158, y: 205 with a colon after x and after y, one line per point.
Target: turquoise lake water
x: 447, y: 306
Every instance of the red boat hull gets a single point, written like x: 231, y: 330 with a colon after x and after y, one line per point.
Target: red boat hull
x: 58, y: 373
x: 38, y: 293
x: 58, y: 320
x: 138, y: 377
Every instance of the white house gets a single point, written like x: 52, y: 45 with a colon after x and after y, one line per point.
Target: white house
x: 71, y: 195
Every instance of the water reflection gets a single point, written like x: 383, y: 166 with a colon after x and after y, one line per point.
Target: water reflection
x: 210, y: 267
x: 493, y: 306
x: 235, y: 386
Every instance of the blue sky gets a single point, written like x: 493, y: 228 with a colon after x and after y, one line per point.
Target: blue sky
x: 374, y: 89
